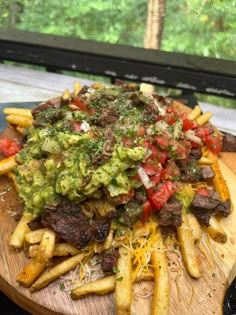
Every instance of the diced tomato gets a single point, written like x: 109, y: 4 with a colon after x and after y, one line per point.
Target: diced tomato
x: 162, y: 156
x: 203, y: 191
x: 170, y: 171
x: 203, y: 132
x: 127, y: 141
x: 162, y: 195
x: 9, y: 147
x: 162, y: 141
x: 189, y: 124
x: 214, y: 143
x: 147, y: 208
x: 151, y: 168
x: 77, y: 126
x: 82, y: 106
x: 170, y: 119
x: 155, y: 179
x: 141, y: 132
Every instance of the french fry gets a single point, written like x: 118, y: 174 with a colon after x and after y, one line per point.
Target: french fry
x: 17, y: 111
x: 34, y: 268
x: 204, y: 118
x: 7, y: 164
x: 46, y: 247
x: 18, y: 235
x: 57, y: 271
x: 104, y: 285
x: 123, y: 286
x: 204, y: 161
x: 30, y: 272
x: 194, y: 113
x: 12, y: 176
x: 77, y: 88
x: 216, y: 231
x: 195, y: 227
x: 161, y: 295
x: 34, y: 237
x: 187, y: 247
x: 65, y: 249
x: 21, y: 121
x: 100, y: 287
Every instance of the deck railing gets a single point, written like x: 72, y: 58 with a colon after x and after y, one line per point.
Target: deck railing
x: 167, y: 69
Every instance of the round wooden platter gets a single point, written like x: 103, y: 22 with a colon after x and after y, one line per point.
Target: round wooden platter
x: 188, y: 296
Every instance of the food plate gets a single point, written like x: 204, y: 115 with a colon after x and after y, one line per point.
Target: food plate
x: 188, y: 296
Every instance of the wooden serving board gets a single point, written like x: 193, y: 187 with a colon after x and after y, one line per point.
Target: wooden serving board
x: 188, y: 296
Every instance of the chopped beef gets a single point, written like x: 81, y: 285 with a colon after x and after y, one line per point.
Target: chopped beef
x: 126, y: 87
x: 207, y: 173
x: 130, y: 213
x: 189, y: 172
x: 204, y: 206
x: 109, y: 261
x: 107, y: 150
x: 162, y: 100
x: 50, y: 116
x: 35, y: 224
x: 54, y: 103
x: 151, y: 112
x: 73, y: 226
x: 135, y: 97
x: 195, y: 153
x: 228, y: 143
x: 84, y: 90
x: 139, y: 197
x: 170, y: 214
x: 107, y: 117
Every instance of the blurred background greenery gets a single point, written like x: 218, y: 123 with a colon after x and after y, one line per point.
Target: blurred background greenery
x: 200, y: 27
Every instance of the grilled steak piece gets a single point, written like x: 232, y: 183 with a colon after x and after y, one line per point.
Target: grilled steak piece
x: 195, y: 153
x: 73, y: 226
x: 130, y: 213
x: 228, y: 143
x: 54, y: 103
x: 35, y: 224
x: 109, y: 261
x: 170, y: 214
x: 190, y: 173
x: 107, y: 150
x: 107, y: 117
x: 204, y: 206
x: 207, y: 173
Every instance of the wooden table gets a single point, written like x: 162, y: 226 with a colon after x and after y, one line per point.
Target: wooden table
x: 27, y: 85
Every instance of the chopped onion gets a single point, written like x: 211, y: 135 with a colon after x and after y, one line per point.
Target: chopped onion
x: 85, y: 126
x: 144, y: 178
x: 162, y: 110
x: 191, y: 136
x: 162, y: 125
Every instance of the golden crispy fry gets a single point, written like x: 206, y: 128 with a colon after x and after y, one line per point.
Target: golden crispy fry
x: 194, y: 113
x: 34, y: 268
x: 219, y: 181
x: 161, y: 295
x: 18, y: 235
x: 146, y: 88
x: 20, y: 129
x: 195, y: 227
x: 123, y: 286
x: 30, y: 272
x: 17, y: 111
x: 7, y: 164
x: 77, y: 88
x: 34, y: 237
x: 187, y: 246
x: 65, y: 249
x: 57, y: 271
x: 204, y: 161
x: 12, y: 176
x: 216, y: 231
x: 104, y: 285
x: 204, y: 118
x: 22, y: 121
x: 100, y: 286
x: 97, y: 86
x: 46, y: 247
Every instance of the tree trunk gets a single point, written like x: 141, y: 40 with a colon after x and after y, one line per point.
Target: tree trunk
x: 155, y: 24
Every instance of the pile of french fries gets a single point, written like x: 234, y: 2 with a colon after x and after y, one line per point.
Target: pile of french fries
x: 142, y: 252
